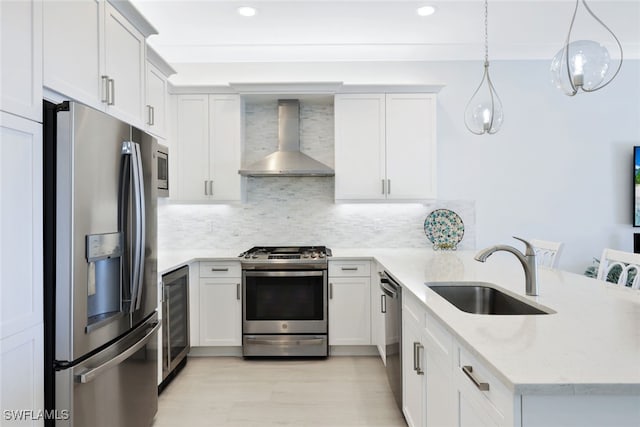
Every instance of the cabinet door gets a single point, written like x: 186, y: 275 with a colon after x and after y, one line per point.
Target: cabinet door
x: 220, y: 312
x: 360, y: 147
x: 349, y: 311
x: 440, y: 399
x: 72, y: 46
x: 21, y: 58
x: 413, y: 385
x: 411, y: 146
x: 156, y: 106
x: 192, y: 143
x: 225, y: 149
x: 20, y: 224
x: 22, y: 369
x: 124, y: 59
x: 473, y: 413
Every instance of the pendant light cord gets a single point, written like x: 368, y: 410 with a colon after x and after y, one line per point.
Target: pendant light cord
x: 486, y: 33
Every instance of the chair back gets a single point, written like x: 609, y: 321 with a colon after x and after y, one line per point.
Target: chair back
x: 547, y: 252
x: 626, y: 263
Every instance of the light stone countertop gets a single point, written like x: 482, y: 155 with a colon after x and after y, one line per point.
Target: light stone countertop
x: 590, y: 345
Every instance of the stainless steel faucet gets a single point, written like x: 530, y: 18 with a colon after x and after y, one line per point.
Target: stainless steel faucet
x: 528, y: 261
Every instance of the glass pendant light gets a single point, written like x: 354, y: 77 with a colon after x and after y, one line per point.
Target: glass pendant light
x: 483, y: 113
x: 583, y: 64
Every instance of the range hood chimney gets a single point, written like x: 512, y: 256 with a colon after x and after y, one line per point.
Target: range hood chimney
x: 288, y: 160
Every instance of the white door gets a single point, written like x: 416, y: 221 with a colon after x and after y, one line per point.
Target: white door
x: 156, y: 107
x: 360, y: 147
x: 220, y: 312
x: 21, y: 58
x: 192, y: 143
x: 124, y: 56
x: 72, y: 46
x: 225, y: 146
x: 349, y: 311
x: 20, y: 224
x: 411, y: 146
x: 413, y: 386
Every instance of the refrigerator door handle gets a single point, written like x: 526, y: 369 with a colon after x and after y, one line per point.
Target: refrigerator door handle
x: 92, y: 374
x: 131, y: 172
x: 139, y: 215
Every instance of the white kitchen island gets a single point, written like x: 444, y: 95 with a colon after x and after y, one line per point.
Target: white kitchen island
x: 577, y: 366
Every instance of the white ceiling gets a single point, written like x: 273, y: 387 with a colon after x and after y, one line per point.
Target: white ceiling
x: 211, y: 31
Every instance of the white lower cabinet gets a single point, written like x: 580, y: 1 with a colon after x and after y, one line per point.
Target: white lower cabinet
x: 413, y: 362
x: 349, y: 303
x: 220, y: 304
x: 22, y: 373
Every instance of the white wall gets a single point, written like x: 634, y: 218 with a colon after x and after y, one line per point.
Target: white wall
x: 560, y: 168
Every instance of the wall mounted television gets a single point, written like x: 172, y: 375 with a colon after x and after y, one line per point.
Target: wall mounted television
x: 636, y: 186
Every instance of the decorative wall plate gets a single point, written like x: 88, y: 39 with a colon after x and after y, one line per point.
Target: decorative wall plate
x: 444, y: 228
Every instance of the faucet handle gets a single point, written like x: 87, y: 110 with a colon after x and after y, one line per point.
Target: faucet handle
x: 529, y: 247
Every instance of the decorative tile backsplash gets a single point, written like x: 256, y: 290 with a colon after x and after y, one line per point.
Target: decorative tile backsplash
x: 299, y: 210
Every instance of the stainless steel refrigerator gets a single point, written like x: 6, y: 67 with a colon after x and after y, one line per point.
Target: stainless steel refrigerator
x: 100, y: 269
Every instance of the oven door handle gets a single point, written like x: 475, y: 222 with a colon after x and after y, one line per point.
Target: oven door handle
x: 296, y: 273
x: 304, y: 341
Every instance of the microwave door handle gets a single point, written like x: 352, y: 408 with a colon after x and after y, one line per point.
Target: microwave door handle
x: 123, y: 221
x: 139, y: 207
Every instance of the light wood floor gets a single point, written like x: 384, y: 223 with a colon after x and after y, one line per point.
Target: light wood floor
x: 230, y: 391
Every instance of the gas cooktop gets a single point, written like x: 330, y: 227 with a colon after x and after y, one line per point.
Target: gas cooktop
x: 285, y: 256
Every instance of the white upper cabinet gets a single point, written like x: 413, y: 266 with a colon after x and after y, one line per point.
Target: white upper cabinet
x: 156, y: 94
x: 95, y: 55
x: 208, y: 142
x: 21, y: 58
x: 385, y: 147
x: 411, y: 146
x: 360, y: 147
x: 124, y: 67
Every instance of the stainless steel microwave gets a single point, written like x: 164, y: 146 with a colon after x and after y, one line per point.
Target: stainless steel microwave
x: 162, y: 178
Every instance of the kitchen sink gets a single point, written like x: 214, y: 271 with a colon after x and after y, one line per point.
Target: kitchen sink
x: 483, y: 298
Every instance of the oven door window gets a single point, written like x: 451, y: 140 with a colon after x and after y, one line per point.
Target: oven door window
x: 284, y: 298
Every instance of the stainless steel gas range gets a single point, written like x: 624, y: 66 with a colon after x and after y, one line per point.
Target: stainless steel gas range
x: 284, y: 301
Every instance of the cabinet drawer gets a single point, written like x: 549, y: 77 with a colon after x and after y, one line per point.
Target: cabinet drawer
x: 498, y: 399
x: 349, y: 268
x: 439, y: 342
x: 220, y: 269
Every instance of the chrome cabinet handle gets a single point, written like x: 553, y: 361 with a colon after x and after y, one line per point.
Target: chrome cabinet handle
x: 111, y: 84
x: 238, y: 291
x: 220, y: 269
x: 153, y: 115
x: 105, y: 89
x: 388, y: 186
x: 349, y: 268
x: 149, y: 119
x: 383, y: 303
x: 468, y: 371
x: 330, y: 290
x: 416, y: 358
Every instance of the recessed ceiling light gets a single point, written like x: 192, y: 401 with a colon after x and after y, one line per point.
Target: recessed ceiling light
x: 426, y: 10
x: 246, y: 11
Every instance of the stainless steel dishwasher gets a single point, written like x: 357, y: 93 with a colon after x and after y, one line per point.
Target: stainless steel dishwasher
x: 391, y: 306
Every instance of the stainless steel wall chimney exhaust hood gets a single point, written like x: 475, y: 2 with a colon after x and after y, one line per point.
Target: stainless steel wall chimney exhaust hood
x: 288, y: 160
